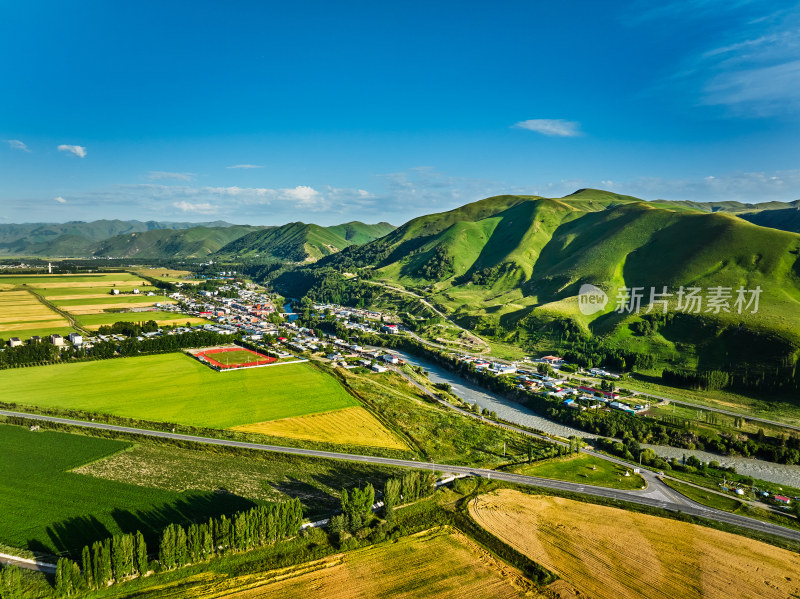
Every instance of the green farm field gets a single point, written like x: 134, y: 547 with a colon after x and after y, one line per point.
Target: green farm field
x: 95, y: 321
x: 48, y: 509
x: 177, y: 388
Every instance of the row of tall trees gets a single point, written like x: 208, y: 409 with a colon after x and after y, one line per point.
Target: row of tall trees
x: 10, y: 582
x: 111, y: 560
x: 45, y: 352
x: 256, y: 527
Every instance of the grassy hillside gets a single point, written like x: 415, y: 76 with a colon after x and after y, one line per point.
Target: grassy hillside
x: 786, y: 219
x: 301, y: 242
x: 512, y: 267
x: 197, y: 242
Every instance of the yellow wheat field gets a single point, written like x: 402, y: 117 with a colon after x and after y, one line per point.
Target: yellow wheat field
x: 354, y: 426
x: 440, y: 563
x: 609, y: 553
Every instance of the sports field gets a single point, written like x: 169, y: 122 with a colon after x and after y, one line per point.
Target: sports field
x: 609, y: 553
x: 233, y: 357
x: 177, y: 388
x: 47, y: 508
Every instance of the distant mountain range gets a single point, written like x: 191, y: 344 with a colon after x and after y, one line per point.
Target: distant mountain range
x: 293, y: 242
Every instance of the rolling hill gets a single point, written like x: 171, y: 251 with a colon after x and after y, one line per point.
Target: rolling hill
x: 300, y: 242
x: 197, y: 242
x: 512, y: 267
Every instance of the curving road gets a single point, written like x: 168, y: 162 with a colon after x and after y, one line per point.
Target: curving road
x: 657, y: 495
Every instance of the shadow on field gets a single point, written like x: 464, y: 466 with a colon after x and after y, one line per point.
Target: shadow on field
x: 69, y: 536
x: 65, y: 534
x: 315, y: 501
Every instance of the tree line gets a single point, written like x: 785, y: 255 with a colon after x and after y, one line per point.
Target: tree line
x: 10, y: 582
x: 47, y: 353
x: 125, y: 556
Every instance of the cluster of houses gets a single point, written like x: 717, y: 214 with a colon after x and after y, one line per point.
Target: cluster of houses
x: 75, y: 339
x: 359, y: 319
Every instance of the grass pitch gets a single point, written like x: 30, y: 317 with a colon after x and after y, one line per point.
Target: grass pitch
x: 48, y: 509
x: 177, y: 388
x: 606, y: 552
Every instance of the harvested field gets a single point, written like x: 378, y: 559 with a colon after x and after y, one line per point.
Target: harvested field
x: 441, y: 563
x: 21, y: 310
x: 354, y: 426
x: 611, y: 553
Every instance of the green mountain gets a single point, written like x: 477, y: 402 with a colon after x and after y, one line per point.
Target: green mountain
x: 512, y: 267
x: 786, y: 219
x: 197, y: 242
x: 300, y: 242
x: 76, y: 238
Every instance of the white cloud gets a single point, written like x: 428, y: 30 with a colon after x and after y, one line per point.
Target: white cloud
x: 199, y: 208
x: 246, y: 166
x: 162, y: 175
x: 551, y: 127
x: 17, y: 145
x: 60, y: 200
x: 79, y: 151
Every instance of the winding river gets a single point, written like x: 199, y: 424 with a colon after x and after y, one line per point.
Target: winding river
x: 516, y: 413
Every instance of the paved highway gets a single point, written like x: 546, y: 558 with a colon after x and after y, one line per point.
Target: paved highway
x: 660, y: 497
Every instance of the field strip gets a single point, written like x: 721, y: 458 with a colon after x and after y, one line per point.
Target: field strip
x: 26, y: 318
x: 686, y: 507
x: 609, y: 553
x: 21, y: 326
x: 345, y: 426
x: 85, y: 284
x: 99, y: 308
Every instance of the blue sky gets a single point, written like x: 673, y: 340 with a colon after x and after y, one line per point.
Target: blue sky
x: 267, y: 112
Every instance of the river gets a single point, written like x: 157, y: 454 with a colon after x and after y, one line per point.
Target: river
x: 514, y: 412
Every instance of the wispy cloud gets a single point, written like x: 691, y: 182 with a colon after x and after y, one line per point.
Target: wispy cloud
x: 16, y: 144
x: 551, y: 127
x: 246, y: 166
x: 79, y: 151
x: 199, y: 208
x: 749, y: 62
x: 164, y: 175
x: 60, y: 200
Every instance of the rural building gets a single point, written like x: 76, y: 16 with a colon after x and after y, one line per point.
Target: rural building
x: 782, y: 499
x: 14, y: 342
x: 36, y: 339
x: 390, y: 359
x: 378, y: 368
x: 75, y: 339
x: 115, y: 292
x: 391, y: 329
x: 56, y: 340
x: 553, y: 360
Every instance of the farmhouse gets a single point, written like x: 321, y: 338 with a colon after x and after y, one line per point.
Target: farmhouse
x: 75, y: 339
x: 782, y: 499
x: 390, y: 359
x: 56, y: 339
x: 14, y: 342
x: 553, y: 360
x: 606, y: 394
x: 36, y: 339
x: 378, y: 368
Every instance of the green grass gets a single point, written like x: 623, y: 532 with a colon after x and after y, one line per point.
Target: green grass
x: 45, y: 508
x: 53, y: 293
x: 41, y: 280
x: 254, y: 475
x: 26, y: 334
x: 111, y: 299
x: 436, y: 431
x: 177, y: 388
x: 90, y: 320
x: 585, y: 469
x: 727, y: 504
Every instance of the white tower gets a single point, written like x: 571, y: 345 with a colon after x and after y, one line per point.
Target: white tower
x: 49, y: 268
